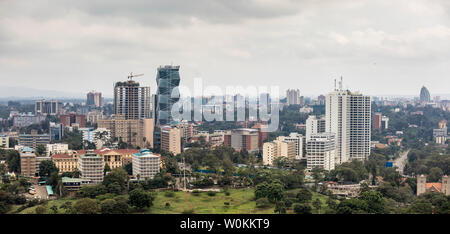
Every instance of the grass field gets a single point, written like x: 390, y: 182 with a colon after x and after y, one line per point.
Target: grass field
x: 239, y: 201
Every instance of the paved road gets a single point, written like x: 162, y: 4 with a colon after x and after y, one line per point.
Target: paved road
x: 400, y: 161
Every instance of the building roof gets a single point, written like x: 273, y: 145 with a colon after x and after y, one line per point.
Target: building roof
x: 435, y: 186
x: 49, y: 190
x: 56, y: 156
x: 107, y: 150
x: 73, y: 180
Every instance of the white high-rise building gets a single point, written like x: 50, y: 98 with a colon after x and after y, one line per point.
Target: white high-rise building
x: 314, y: 125
x: 348, y: 115
x: 293, y: 97
x: 320, y: 151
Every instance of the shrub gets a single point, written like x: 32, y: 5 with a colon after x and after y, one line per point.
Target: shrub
x: 190, y: 211
x: 211, y: 193
x: 169, y: 194
x: 262, y: 202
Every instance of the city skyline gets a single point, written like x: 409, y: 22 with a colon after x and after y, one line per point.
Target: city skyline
x: 88, y: 46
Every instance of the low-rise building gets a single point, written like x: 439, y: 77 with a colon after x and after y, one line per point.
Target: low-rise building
x: 442, y: 187
x: 4, y: 141
x: 145, y: 164
x: 64, y: 162
x: 74, y: 184
x: 57, y: 148
x: 91, y: 167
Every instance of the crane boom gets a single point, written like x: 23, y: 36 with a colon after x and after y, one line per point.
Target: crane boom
x: 130, y: 77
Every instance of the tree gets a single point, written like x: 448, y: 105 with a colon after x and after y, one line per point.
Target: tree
x: 47, y: 167
x: 140, y: 199
x: 331, y: 203
x: 76, y: 173
x: 304, y: 195
x: 116, y: 181
x: 67, y: 206
x: 129, y: 168
x: 352, y: 206
x: 54, y: 209
x: 420, y: 208
x: 86, y: 206
x: 435, y: 174
x: 41, y: 210
x: 317, y: 204
x: 374, y: 201
x: 40, y: 150
x: 302, y: 209
x: 106, y: 169
x: 280, y: 207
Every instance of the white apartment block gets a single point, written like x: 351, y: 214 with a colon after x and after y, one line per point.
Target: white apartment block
x: 57, y: 148
x: 320, y: 151
x: 145, y: 164
x: 314, y: 125
x: 348, y: 115
x: 91, y: 166
x: 300, y: 144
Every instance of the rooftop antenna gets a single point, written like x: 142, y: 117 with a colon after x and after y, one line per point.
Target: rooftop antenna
x: 335, y: 85
x: 340, y: 84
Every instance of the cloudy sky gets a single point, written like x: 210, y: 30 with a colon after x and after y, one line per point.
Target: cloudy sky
x: 381, y: 47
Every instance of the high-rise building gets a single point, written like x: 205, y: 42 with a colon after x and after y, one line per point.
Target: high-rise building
x: 27, y: 162
x: 91, y: 166
x: 314, y: 125
x: 384, y: 122
x: 46, y: 107
x: 72, y: 118
x: 145, y: 164
x: 56, y: 131
x: 424, y: 95
x: 293, y: 97
x: 127, y: 130
x: 348, y: 115
x: 94, y: 99
x: 131, y: 100
x: 171, y: 139
x: 34, y: 139
x: 300, y: 144
x: 168, y: 80
x: 320, y: 151
x: 149, y: 128
x: 377, y: 121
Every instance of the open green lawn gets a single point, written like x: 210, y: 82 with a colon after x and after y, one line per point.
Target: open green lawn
x: 240, y: 201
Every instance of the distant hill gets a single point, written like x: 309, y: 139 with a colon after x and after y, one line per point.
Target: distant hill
x: 14, y: 93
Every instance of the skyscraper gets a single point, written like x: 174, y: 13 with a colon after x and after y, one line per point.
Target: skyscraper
x: 94, y: 99
x: 167, y: 79
x: 131, y: 100
x: 348, y: 116
x: 424, y: 95
x: 293, y: 97
x: 46, y: 107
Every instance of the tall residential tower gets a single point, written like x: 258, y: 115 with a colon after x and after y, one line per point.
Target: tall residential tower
x: 348, y: 115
